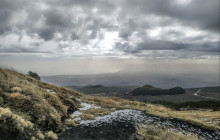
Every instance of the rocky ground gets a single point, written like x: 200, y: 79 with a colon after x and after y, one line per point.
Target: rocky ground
x: 120, y: 125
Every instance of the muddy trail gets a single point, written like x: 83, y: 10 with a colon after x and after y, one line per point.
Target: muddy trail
x: 120, y: 125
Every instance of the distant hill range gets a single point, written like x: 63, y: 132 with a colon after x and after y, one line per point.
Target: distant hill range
x: 101, y: 89
x: 94, y: 86
x: 137, y: 79
x: 151, y: 90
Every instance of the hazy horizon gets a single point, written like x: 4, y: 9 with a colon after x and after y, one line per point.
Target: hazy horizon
x: 104, y: 66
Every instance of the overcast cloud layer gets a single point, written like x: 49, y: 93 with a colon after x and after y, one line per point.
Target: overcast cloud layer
x: 116, y: 28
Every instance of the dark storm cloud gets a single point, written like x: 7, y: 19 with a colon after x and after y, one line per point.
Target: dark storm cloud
x: 20, y: 49
x: 46, y: 33
x: 56, y: 18
x: 74, y: 36
x: 198, y: 13
x: 168, y: 45
x: 85, y: 20
x: 7, y: 9
x: 161, y: 45
x: 129, y: 27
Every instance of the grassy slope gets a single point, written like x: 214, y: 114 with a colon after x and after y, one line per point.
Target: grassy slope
x: 202, y: 118
x: 152, y: 133
x: 25, y: 105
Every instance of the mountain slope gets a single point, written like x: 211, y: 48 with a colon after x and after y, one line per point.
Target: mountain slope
x: 27, y: 104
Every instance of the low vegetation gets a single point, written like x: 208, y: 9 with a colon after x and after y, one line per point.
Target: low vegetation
x: 150, y: 90
x: 8, y: 119
x: 52, y: 135
x: 30, y: 108
x: 152, y: 133
x: 202, y: 118
x: 211, y: 105
x: 91, y: 113
x: 33, y: 75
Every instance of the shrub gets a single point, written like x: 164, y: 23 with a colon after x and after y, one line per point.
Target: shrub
x: 34, y: 75
x: 13, y: 121
x: 52, y: 135
x: 40, y: 136
x: 33, y: 138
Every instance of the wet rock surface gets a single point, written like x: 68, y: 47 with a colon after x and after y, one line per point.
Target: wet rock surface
x: 120, y: 125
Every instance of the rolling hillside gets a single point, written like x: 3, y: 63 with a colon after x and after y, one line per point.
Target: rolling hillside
x: 31, y: 109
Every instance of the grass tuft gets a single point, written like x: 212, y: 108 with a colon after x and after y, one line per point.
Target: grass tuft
x: 40, y: 136
x: 153, y: 133
x: 52, y: 135
x: 11, y: 121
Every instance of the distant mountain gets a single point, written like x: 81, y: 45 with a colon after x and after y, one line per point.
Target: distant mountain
x: 100, y: 89
x: 133, y: 79
x: 150, y: 87
x: 94, y: 86
x: 151, y: 90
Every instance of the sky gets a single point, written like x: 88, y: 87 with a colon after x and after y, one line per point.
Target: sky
x: 54, y: 37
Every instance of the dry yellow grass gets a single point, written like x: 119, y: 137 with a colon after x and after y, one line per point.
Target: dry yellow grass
x: 203, y: 118
x: 152, y: 133
x: 54, y: 101
x: 70, y: 122
x: 91, y: 113
x: 40, y: 136
x: 33, y: 138
x: 8, y: 118
x: 52, y: 135
x: 29, y: 100
x: 16, y: 89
